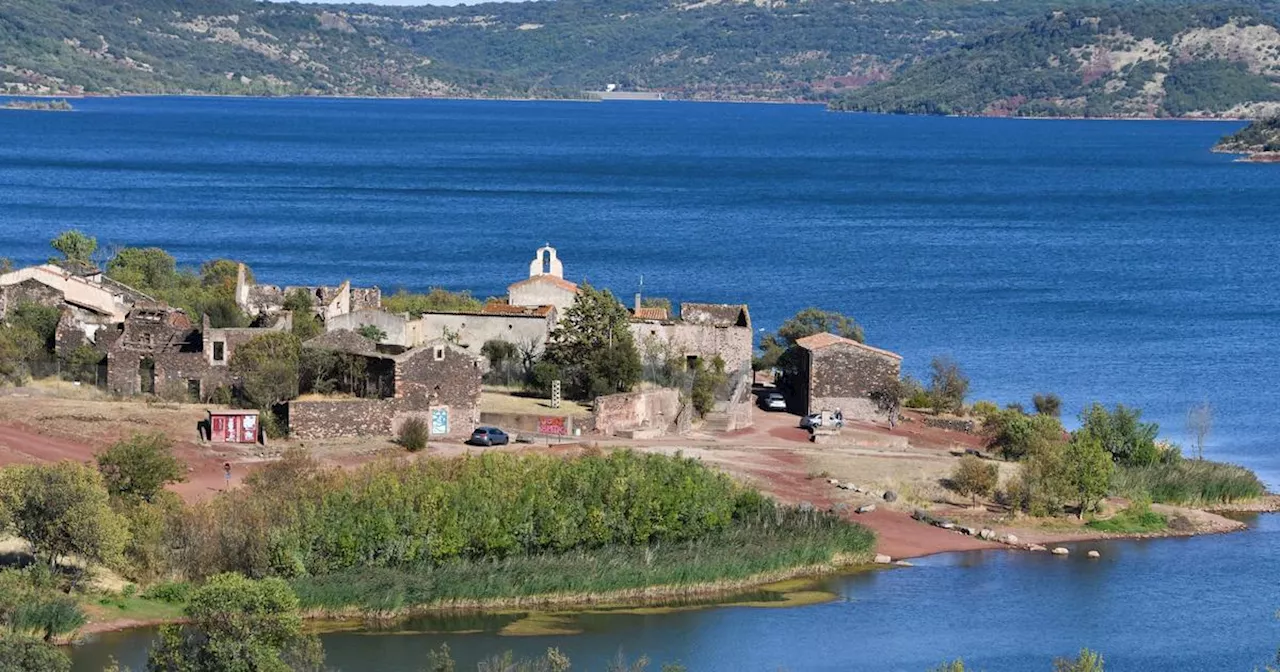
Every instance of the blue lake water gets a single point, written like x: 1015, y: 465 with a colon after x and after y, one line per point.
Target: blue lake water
x: 1109, y: 261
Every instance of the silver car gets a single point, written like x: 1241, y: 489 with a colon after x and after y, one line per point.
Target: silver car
x: 815, y: 420
x: 774, y: 402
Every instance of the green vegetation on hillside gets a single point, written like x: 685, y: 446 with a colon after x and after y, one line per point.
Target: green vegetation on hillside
x: 546, y: 49
x: 1129, y: 60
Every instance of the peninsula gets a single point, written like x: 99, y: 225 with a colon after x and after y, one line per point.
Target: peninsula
x: 1259, y: 142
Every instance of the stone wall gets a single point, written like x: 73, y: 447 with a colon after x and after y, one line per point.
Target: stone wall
x: 543, y: 290
x: 329, y: 419
x: 400, y: 330
x: 472, y: 330
x: 659, y: 409
x: 532, y: 423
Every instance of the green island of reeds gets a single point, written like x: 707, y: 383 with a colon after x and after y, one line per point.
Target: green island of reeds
x: 501, y: 530
x: 1200, y: 483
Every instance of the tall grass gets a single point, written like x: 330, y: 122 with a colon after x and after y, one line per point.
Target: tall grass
x: 1189, y: 482
x: 766, y: 546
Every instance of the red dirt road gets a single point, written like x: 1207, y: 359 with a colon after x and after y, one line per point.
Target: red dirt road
x: 22, y: 445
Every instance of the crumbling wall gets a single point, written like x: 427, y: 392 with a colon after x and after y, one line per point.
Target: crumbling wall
x: 374, y: 417
x: 658, y: 409
x: 400, y: 330
x: 735, y: 345
x: 473, y: 330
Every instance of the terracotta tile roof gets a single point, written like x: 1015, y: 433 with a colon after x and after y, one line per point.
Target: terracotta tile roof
x: 498, y: 308
x: 824, y: 340
x: 650, y: 313
x: 558, y: 282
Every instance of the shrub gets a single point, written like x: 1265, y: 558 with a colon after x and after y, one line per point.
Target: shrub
x: 1189, y: 482
x: 175, y: 592
x: 140, y: 466
x: 372, y: 332
x: 1122, y: 433
x: 1137, y: 518
x: 984, y: 409
x: 948, y: 385
x: 1047, y: 404
x: 413, y: 434
x: 1017, y: 435
x: 705, y: 381
x: 974, y: 477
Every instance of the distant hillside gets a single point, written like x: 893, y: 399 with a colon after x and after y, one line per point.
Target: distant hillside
x: 769, y: 49
x: 1256, y: 138
x: 1146, y: 60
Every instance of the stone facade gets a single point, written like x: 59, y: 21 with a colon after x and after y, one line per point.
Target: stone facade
x: 437, y: 381
x: 723, y: 331
x: 156, y: 350
x: 218, y: 345
x: 838, y: 373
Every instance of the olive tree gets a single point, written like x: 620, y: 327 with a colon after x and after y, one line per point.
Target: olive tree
x: 974, y: 477
x: 139, y: 467
x: 63, y: 509
x: 237, y: 624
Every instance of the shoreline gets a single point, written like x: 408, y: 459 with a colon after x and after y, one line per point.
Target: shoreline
x: 534, y: 99
x: 670, y: 595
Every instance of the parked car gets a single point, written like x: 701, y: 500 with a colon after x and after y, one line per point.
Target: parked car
x: 489, y: 436
x: 773, y: 402
x: 813, y: 420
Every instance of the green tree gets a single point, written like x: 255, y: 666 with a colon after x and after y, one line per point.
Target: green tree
x: 220, y: 275
x: 18, y: 346
x: 974, y: 477
x: 148, y: 269
x: 63, y: 509
x: 19, y: 653
x: 82, y: 362
x: 1047, y: 404
x: 75, y: 246
x: 267, y: 367
x: 306, y: 324
x: 1122, y: 433
x: 39, y: 319
x: 1089, y: 469
x: 237, y: 624
x: 592, y: 346
x: 372, y: 332
x: 140, y: 466
x: 807, y: 322
x: 1016, y: 434
x: 948, y: 386
x: 705, y: 381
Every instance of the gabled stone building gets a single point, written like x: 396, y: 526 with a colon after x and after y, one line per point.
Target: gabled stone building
x: 437, y: 381
x: 829, y: 373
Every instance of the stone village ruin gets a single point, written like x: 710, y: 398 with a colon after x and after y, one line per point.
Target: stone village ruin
x: 430, y: 366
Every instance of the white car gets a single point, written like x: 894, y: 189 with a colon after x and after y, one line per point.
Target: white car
x: 774, y: 402
x: 815, y: 420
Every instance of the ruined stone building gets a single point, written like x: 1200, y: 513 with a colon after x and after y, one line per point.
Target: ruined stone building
x: 329, y: 302
x: 702, y: 331
x: 437, y: 381
x: 831, y: 372
x: 89, y: 301
x: 157, y: 350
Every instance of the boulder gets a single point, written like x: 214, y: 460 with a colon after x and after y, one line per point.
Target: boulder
x: 1036, y: 547
x: 947, y: 525
x: 890, y: 496
x: 848, y: 486
x: 840, y: 508
x: 969, y: 531
x: 1095, y: 555
x: 866, y: 508
x: 1010, y: 539
x: 882, y: 559
x: 987, y: 534
x: 902, y: 563
x: 1058, y: 550
x: 833, y: 481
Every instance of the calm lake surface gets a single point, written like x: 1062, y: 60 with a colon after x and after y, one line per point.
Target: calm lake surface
x: 1109, y: 261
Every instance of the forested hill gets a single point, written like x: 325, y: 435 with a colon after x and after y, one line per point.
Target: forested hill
x: 771, y: 49
x: 1139, y: 61
x: 1128, y: 57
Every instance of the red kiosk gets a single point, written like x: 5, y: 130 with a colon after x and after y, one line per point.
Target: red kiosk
x: 234, y: 426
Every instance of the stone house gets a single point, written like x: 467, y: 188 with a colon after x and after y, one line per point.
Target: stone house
x: 89, y: 301
x: 523, y: 327
x: 157, y: 350
x: 437, y: 381
x: 828, y: 372
x: 702, y: 331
